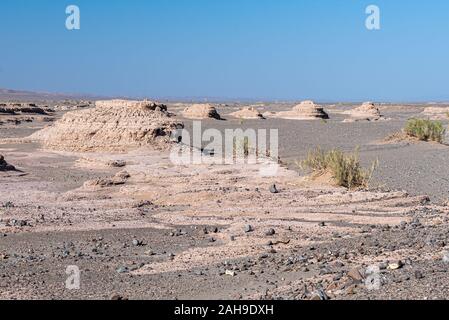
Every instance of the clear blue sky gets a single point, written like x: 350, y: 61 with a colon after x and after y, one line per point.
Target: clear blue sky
x: 262, y: 49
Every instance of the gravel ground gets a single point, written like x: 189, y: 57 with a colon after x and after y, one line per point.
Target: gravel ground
x: 298, y: 244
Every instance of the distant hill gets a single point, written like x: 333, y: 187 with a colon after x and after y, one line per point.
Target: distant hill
x: 20, y: 95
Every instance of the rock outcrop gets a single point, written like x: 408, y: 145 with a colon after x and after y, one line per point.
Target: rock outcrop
x: 247, y: 113
x: 201, y: 111
x: 306, y: 110
x: 116, y: 125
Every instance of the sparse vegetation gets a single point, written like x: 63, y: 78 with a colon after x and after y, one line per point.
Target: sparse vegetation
x: 425, y: 130
x: 345, y: 168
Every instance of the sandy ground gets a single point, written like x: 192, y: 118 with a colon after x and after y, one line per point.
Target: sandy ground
x: 216, y: 231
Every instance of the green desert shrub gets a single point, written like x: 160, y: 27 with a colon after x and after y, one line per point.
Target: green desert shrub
x: 425, y: 130
x: 345, y: 168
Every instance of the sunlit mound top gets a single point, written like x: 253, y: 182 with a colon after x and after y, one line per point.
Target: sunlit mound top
x: 201, y: 111
x: 115, y: 125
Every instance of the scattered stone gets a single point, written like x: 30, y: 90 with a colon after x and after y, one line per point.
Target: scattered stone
x: 270, y: 232
x: 355, y: 275
x: 273, y: 189
x: 117, y: 163
x: 418, y: 274
x: 4, y: 166
x: 137, y: 243
x: 395, y: 265
x: 446, y: 256
x: 230, y: 273
x: 122, y: 270
x: 322, y: 224
x: 249, y: 228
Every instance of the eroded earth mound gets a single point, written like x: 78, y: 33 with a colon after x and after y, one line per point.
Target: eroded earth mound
x: 115, y: 125
x: 306, y: 110
x: 248, y: 113
x: 201, y: 111
x: 368, y: 111
x: 436, y: 113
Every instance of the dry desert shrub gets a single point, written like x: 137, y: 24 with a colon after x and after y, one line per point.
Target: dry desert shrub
x: 425, y: 130
x: 345, y: 169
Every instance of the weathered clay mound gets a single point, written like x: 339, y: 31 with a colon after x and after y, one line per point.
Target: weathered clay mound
x: 306, y: 110
x: 247, y: 113
x: 111, y: 126
x: 436, y: 113
x: 368, y: 111
x: 4, y: 166
x: 201, y: 111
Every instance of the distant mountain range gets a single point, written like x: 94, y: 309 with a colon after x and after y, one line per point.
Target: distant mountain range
x: 20, y: 95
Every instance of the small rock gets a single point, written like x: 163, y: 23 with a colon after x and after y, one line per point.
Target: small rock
x: 418, y: 275
x: 117, y: 297
x: 122, y: 270
x: 137, y: 243
x: 273, y: 189
x: 230, y: 273
x: 446, y: 257
x: 249, y: 228
x: 322, y: 224
x: 270, y: 232
x: 355, y: 275
x: 396, y: 265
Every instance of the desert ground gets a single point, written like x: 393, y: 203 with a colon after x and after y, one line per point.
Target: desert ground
x: 139, y: 226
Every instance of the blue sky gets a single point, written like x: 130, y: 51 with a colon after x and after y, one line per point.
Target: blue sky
x: 259, y: 49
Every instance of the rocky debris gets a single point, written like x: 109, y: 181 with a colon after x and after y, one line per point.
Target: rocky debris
x: 436, y: 113
x: 270, y: 232
x: 247, y: 113
x: 306, y: 110
x: 201, y: 111
x: 4, y: 166
x: 368, y: 111
x: 116, y: 125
